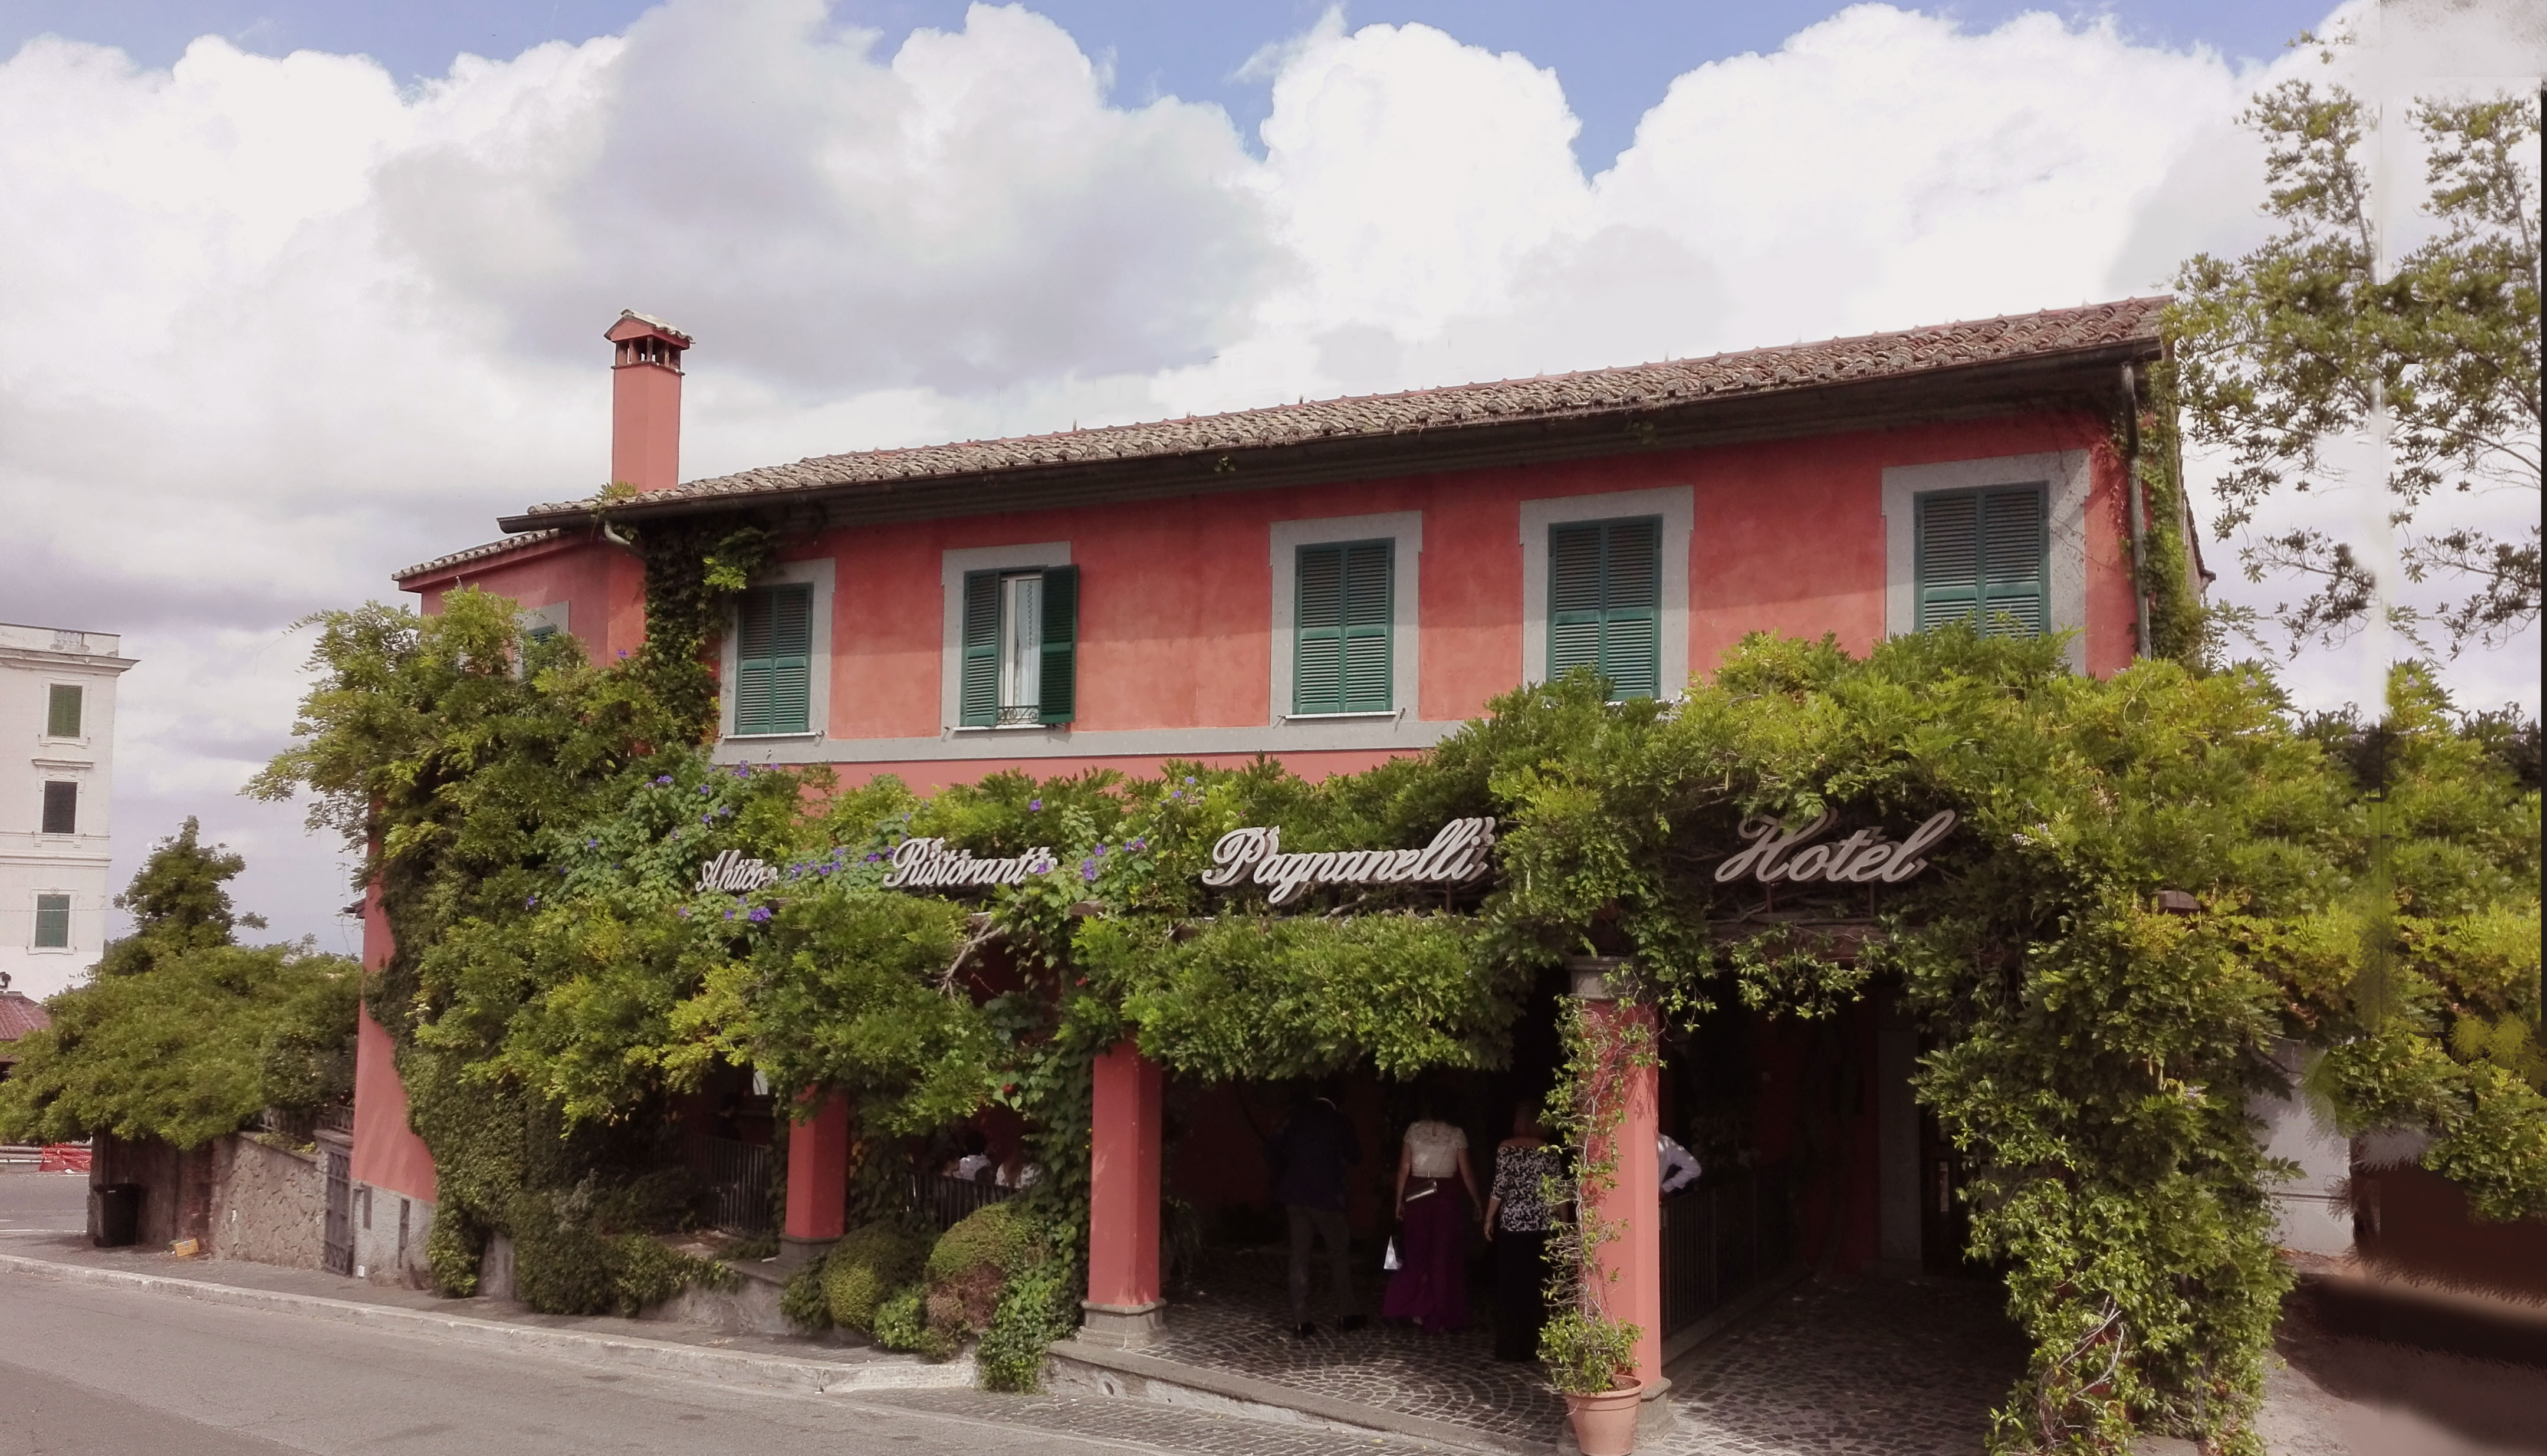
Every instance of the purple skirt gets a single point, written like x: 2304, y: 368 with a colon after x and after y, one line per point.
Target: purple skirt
x: 1431, y: 1287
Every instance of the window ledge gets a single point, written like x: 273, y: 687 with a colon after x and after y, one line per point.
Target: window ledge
x: 1009, y: 728
x: 1335, y: 716
x: 808, y: 733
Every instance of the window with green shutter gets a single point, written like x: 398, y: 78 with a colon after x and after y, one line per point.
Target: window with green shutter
x: 63, y: 705
x: 53, y: 922
x: 1343, y: 604
x: 1982, y: 553
x: 1019, y: 655
x: 1605, y: 603
x: 773, y: 679
x: 61, y: 809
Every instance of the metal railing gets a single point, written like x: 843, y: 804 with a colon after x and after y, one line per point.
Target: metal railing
x: 737, y: 1177
x: 944, y: 1201
x: 1720, y: 1236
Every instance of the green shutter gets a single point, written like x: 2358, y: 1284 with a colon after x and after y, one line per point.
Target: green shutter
x: 773, y: 690
x: 53, y: 922
x: 1343, y: 604
x: 1605, y: 603
x: 1057, y: 692
x: 62, y: 711
x: 1984, y: 551
x: 978, y: 698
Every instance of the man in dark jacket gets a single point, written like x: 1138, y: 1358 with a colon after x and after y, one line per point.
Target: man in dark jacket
x: 1310, y: 1156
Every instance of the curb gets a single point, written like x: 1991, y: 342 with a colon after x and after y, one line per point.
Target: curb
x: 666, y: 1357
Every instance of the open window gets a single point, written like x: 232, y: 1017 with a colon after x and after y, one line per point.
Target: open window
x: 1021, y: 647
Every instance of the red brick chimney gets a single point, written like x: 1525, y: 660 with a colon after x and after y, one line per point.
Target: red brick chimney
x: 645, y: 402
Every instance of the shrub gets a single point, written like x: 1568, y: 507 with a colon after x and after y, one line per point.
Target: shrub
x: 803, y: 1301
x: 902, y: 1324
x: 1039, y: 1306
x: 453, y: 1246
x: 863, y: 1269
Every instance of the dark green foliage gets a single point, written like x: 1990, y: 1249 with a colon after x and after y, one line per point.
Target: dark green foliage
x: 581, y: 1252
x: 453, y: 1249
x: 866, y: 1267
x: 182, y: 1035
x: 1038, y: 1304
x: 178, y: 903
x: 902, y: 1324
x: 803, y: 1301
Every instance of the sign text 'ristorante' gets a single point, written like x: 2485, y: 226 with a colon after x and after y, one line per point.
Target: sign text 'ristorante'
x: 1254, y: 856
x: 927, y: 864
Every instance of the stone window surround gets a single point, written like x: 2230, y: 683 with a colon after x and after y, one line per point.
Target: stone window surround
x: 1404, y: 529
x: 821, y: 573
x: 954, y: 565
x: 2066, y: 476
x: 1676, y: 505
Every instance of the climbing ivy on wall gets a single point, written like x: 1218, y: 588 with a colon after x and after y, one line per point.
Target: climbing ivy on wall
x: 558, y: 975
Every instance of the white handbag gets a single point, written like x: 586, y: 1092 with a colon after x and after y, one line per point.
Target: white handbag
x: 1389, y: 1263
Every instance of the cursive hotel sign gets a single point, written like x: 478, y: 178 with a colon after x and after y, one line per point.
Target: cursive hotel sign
x: 729, y: 870
x: 927, y: 864
x: 1778, y: 855
x: 1456, y: 855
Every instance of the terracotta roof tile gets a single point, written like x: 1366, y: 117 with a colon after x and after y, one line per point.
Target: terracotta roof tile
x: 487, y: 551
x: 20, y: 1014
x: 1590, y: 393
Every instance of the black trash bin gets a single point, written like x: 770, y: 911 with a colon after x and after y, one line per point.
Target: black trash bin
x: 119, y: 1215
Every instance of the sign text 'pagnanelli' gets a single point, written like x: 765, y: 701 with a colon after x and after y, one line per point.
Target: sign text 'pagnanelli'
x: 1455, y: 856
x: 1782, y: 856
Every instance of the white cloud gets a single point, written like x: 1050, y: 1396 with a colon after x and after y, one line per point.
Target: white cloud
x: 275, y: 327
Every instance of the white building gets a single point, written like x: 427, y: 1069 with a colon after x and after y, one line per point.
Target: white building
x: 56, y: 767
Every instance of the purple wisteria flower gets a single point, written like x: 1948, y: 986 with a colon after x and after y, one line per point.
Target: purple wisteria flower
x: 663, y: 780
x: 1088, y: 871
x: 760, y: 914
x: 874, y: 858
x: 531, y: 903
x: 1138, y: 844
x: 1034, y: 806
x: 1190, y: 778
x: 681, y: 910
x: 729, y: 914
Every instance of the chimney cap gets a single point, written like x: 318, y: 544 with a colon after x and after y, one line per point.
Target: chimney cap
x: 635, y: 325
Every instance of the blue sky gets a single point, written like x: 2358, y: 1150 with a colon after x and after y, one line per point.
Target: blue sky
x: 1615, y: 58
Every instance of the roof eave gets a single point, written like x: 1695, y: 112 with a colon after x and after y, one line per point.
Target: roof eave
x: 2082, y: 376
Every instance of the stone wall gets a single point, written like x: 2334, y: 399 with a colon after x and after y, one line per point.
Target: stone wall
x: 269, y: 1205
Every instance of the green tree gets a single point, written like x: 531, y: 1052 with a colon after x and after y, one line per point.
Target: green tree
x: 2314, y: 337
x: 185, y: 1034
x: 178, y: 903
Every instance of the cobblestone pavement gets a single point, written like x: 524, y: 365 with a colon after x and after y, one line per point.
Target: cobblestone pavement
x: 1239, y: 1323
x: 1873, y: 1367
x: 1150, y: 1424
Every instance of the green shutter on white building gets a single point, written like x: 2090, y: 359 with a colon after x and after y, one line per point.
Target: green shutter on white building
x: 62, y: 707
x: 1984, y: 554
x: 1343, y: 605
x: 53, y: 922
x: 978, y: 703
x: 773, y: 688
x: 1605, y: 603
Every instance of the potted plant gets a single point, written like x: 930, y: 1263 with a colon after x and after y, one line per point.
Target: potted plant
x: 1591, y: 1360
x: 1590, y: 1355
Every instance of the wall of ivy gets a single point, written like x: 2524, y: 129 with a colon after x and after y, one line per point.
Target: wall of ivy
x: 537, y: 823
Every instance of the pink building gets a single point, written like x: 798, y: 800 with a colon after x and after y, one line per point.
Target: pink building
x: 1333, y: 583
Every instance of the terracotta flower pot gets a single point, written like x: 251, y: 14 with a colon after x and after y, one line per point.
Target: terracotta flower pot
x: 1606, y: 1424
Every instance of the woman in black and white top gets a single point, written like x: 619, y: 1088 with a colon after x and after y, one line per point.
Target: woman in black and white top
x: 1516, y: 1222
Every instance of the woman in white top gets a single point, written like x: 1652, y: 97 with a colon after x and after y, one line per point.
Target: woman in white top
x: 1431, y: 1285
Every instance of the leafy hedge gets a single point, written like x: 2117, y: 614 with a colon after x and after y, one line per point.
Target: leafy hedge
x: 557, y: 977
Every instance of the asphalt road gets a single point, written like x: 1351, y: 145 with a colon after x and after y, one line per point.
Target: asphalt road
x: 101, y: 1371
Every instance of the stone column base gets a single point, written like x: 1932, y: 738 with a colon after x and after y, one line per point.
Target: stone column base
x: 795, y: 1254
x: 1656, y: 1415
x: 1123, y: 1326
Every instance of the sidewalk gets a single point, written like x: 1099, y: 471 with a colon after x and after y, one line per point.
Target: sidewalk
x: 781, y: 1361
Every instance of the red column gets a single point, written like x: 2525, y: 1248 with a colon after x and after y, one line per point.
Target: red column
x: 818, y: 1176
x: 1123, y: 1303
x: 1633, y: 1205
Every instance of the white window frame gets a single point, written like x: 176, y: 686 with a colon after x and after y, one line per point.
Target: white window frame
x: 2066, y: 476
x: 555, y: 614
x: 70, y: 922
x: 821, y: 573
x: 1404, y: 529
x: 1677, y: 505
x: 953, y: 567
